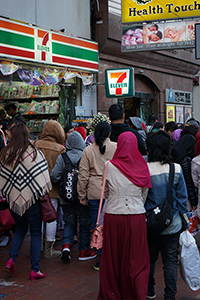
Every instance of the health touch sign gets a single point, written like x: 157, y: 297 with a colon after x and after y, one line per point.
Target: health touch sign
x: 153, y: 10
x: 119, y: 83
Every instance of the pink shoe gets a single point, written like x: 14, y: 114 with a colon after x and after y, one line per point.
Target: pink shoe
x: 36, y: 275
x: 10, y: 266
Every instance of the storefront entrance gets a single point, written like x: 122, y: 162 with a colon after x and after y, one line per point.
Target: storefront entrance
x: 137, y: 106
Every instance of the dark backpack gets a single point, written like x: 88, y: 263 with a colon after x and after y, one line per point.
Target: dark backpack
x: 162, y: 215
x: 68, y: 188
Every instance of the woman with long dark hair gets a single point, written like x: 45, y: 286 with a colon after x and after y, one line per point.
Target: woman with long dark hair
x: 158, y: 147
x: 91, y: 170
x: 24, y: 177
x: 182, y: 153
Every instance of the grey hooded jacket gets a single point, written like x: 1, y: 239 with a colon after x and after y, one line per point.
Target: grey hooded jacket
x: 74, y: 148
x: 137, y: 124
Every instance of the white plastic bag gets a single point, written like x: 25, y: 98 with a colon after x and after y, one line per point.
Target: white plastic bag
x: 190, y: 260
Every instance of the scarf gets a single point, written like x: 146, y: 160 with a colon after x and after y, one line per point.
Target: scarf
x: 177, y: 135
x: 130, y: 162
x: 197, y: 146
x: 23, y: 184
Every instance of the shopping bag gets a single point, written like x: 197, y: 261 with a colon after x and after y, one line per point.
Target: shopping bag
x: 190, y: 261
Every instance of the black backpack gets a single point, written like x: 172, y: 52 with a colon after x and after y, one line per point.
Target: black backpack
x: 162, y: 215
x: 68, y: 188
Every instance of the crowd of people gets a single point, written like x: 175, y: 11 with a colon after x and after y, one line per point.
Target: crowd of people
x: 139, y: 157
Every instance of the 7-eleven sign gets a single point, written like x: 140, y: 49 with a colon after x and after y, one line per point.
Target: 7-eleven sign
x: 43, y: 46
x: 119, y: 83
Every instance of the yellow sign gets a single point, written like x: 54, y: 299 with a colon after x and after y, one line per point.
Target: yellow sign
x: 153, y: 10
x: 170, y: 113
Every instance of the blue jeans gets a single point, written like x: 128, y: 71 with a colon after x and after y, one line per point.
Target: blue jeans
x: 33, y: 218
x: 70, y: 215
x: 168, y: 246
x: 94, y: 208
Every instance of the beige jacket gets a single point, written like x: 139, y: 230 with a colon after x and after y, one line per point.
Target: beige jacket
x: 50, y: 143
x: 123, y: 197
x: 91, y: 169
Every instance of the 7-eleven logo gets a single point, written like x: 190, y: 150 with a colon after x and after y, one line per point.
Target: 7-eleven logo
x: 118, y: 82
x: 43, y: 44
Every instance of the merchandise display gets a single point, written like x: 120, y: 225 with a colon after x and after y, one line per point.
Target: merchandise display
x: 29, y: 91
x: 37, y: 104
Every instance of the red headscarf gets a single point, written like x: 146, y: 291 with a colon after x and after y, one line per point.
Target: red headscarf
x: 81, y: 130
x: 130, y: 162
x: 197, y: 146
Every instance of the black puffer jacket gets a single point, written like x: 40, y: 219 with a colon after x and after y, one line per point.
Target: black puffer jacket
x: 119, y: 128
x: 191, y: 189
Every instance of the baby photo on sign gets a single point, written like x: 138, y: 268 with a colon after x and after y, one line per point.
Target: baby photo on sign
x: 152, y: 33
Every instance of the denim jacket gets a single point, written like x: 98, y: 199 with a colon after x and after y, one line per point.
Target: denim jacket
x: 159, y: 179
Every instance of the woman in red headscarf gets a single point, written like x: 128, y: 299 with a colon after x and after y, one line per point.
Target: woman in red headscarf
x: 124, y: 267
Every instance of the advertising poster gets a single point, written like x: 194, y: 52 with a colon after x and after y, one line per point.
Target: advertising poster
x: 170, y: 113
x: 153, y: 33
x: 158, y: 36
x: 132, y: 35
x: 188, y: 113
x: 179, y: 114
x: 175, y: 32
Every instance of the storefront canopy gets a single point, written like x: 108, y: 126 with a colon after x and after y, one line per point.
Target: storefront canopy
x: 23, y: 42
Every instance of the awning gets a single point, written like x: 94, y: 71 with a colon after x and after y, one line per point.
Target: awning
x: 22, y: 42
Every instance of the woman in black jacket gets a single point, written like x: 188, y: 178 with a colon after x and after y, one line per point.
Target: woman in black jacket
x: 183, y: 153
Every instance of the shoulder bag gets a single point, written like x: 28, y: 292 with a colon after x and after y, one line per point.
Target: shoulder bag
x: 48, y: 211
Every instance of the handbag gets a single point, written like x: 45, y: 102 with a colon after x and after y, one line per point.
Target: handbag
x: 48, y: 211
x: 162, y: 215
x: 97, y: 233
x: 6, y: 219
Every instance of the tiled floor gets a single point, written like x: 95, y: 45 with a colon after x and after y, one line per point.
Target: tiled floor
x: 76, y: 280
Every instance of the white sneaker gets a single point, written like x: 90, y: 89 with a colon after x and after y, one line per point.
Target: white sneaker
x: 5, y: 241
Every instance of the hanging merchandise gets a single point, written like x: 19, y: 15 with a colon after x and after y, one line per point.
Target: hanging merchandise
x: 8, y: 68
x: 40, y: 76
x: 87, y: 78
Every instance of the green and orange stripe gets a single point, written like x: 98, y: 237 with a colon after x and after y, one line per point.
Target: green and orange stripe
x: 18, y: 40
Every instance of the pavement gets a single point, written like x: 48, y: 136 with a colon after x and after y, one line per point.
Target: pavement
x: 71, y: 281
